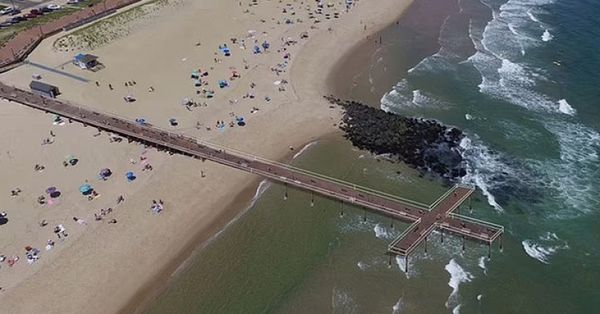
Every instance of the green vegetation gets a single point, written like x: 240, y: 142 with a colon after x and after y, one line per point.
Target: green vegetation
x: 11, y: 31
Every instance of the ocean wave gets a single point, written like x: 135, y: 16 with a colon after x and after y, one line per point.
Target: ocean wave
x: 504, y: 41
x: 574, y: 174
x: 481, y: 165
x: 544, y: 247
x: 457, y: 276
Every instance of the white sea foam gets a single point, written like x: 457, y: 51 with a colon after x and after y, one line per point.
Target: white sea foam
x: 457, y: 276
x: 481, y: 264
x: 401, y: 262
x: 362, y: 265
x: 564, y: 107
x: 480, y: 166
x: 456, y: 309
x: 342, y: 302
x: 544, y: 247
x: 546, y: 36
x: 468, y: 117
x: 381, y: 232
x: 304, y: 149
x: 506, y: 38
x: 532, y: 17
x: 574, y: 175
x: 397, y: 308
x: 262, y: 187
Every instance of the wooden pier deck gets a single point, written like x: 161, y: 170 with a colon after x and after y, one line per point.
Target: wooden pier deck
x: 424, y: 218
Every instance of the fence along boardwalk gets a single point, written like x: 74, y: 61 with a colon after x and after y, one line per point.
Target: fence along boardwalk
x: 424, y: 218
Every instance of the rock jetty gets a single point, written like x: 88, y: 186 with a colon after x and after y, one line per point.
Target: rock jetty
x: 423, y: 144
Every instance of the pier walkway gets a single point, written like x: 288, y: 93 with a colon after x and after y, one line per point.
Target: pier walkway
x: 424, y: 218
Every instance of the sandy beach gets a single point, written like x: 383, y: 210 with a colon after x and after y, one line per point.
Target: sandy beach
x: 276, y: 73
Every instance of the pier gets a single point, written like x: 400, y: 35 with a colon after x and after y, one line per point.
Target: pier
x: 443, y: 214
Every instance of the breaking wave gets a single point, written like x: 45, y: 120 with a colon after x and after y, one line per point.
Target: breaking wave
x: 544, y: 247
x: 457, y: 276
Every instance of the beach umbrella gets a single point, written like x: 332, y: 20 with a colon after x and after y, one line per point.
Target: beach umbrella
x: 173, y: 122
x: 55, y: 194
x: 130, y: 176
x: 105, y: 172
x: 85, y: 189
x: 51, y: 190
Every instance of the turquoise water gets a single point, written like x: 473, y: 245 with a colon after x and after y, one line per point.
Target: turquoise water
x: 520, y: 78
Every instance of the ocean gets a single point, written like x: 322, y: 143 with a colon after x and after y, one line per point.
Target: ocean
x: 520, y: 78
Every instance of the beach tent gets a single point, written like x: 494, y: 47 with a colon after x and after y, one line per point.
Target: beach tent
x: 195, y: 75
x: 85, y: 189
x: 141, y: 121
x: 265, y: 45
x: 257, y: 49
x: 173, y: 122
x: 223, y: 83
x: 51, y: 190
x: 198, y: 83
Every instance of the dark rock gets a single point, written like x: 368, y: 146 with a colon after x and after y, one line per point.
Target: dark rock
x: 422, y: 144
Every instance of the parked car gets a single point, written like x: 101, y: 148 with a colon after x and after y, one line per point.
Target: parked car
x: 5, y: 24
x: 6, y: 10
x: 29, y: 16
x: 36, y: 12
x: 73, y: 1
x: 17, y: 19
x: 14, y: 12
x: 52, y: 6
x: 45, y: 10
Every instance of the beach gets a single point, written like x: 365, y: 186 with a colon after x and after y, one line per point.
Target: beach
x: 105, y: 266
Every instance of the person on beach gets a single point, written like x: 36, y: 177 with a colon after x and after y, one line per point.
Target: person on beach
x: 79, y: 221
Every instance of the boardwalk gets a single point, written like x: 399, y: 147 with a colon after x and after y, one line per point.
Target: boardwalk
x: 17, y: 48
x: 424, y: 218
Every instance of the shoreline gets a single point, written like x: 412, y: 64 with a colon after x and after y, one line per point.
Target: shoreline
x: 151, y: 276
x: 244, y: 199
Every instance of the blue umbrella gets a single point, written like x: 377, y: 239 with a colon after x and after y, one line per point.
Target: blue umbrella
x: 85, y: 189
x: 130, y: 176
